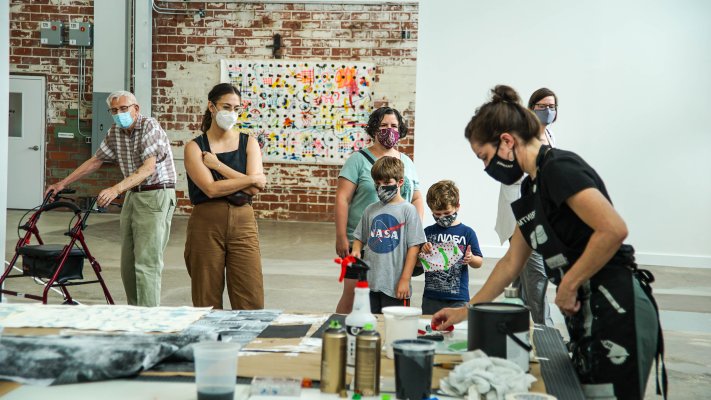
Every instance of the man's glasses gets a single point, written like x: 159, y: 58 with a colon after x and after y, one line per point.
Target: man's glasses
x: 122, y: 109
x: 544, y: 106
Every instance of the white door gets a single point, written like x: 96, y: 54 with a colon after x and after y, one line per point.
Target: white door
x: 26, y: 147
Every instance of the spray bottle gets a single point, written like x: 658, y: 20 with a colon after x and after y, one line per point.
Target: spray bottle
x: 361, y: 315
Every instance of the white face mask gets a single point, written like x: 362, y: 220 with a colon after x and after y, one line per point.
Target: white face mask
x: 226, y: 119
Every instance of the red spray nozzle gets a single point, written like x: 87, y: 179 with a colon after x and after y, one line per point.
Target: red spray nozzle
x: 345, y: 262
x: 352, y: 262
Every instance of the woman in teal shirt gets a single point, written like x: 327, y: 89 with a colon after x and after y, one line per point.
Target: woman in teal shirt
x: 356, y: 189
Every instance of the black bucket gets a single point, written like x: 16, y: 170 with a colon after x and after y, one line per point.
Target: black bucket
x: 500, y: 330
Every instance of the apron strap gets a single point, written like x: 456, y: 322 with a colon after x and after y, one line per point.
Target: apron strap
x: 646, y: 278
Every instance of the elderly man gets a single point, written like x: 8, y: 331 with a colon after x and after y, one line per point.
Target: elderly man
x: 142, y: 150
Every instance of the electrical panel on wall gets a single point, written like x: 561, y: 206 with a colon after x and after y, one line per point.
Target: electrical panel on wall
x: 80, y: 34
x: 51, y: 33
x: 101, y: 119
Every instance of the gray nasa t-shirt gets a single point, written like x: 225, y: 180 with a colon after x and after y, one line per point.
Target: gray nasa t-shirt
x: 387, y: 231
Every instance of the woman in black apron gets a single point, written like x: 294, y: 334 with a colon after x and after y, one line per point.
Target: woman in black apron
x: 566, y: 215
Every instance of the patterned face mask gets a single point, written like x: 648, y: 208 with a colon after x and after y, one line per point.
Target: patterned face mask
x: 445, y: 221
x: 386, y: 192
x: 388, y: 137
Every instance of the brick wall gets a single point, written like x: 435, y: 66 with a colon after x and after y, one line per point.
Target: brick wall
x: 60, y: 67
x: 186, y: 56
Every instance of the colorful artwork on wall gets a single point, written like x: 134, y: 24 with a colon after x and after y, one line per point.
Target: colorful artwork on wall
x: 304, y: 111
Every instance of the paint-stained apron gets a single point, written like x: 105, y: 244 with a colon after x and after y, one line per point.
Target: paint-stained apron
x: 616, y: 336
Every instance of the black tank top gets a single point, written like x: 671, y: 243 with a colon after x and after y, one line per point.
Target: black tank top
x: 237, y: 160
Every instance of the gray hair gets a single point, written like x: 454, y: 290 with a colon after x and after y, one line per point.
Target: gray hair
x: 118, y: 94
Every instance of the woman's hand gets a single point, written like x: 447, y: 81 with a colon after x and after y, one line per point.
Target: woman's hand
x: 343, y: 246
x: 259, y: 181
x: 210, y: 160
x: 566, y: 298
x: 447, y: 317
x: 402, y: 291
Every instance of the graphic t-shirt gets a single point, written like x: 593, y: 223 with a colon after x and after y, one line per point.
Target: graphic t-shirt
x: 387, y: 231
x: 357, y: 170
x: 452, y: 284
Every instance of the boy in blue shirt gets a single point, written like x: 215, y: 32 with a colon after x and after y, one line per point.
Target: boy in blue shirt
x: 390, y: 233
x: 448, y: 288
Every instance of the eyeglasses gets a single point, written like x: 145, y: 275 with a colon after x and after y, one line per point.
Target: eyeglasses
x: 123, y: 109
x: 543, y: 106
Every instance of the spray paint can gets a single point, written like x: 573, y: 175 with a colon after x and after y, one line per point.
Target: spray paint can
x: 333, y: 359
x: 367, y: 369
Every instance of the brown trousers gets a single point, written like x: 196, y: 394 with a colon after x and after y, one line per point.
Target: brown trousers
x: 224, y: 238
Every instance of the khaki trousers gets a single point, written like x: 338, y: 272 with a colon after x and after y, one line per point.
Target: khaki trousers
x: 223, y: 245
x: 145, y: 229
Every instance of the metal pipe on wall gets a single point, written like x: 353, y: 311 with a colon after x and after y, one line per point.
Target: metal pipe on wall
x: 143, y: 54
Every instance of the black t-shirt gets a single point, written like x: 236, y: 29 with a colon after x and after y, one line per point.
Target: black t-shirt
x: 562, y: 174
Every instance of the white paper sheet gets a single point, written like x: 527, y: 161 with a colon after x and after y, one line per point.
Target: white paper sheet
x: 99, y: 317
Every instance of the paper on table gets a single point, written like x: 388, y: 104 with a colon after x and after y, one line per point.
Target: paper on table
x: 100, y: 317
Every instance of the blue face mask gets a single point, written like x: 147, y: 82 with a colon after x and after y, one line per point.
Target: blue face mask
x: 545, y: 116
x: 123, y: 120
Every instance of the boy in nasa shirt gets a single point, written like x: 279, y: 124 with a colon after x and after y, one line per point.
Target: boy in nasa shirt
x: 391, y: 233
x: 449, y: 288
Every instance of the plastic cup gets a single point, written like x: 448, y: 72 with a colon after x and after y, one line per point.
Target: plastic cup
x: 414, y: 359
x: 400, y: 323
x: 216, y: 369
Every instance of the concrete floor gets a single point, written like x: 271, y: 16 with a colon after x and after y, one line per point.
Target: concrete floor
x: 300, y: 275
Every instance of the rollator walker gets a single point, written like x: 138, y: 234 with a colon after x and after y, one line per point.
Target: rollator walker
x: 55, y: 265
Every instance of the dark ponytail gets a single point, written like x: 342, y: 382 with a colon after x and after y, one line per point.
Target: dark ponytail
x: 504, y: 113
x: 214, y: 95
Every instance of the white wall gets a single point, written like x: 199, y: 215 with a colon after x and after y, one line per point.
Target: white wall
x: 4, y: 123
x: 633, y: 80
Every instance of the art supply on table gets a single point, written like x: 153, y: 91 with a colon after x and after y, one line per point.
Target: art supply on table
x: 216, y: 369
x: 529, y: 396
x: 511, y: 296
x: 284, y: 331
x: 400, y: 323
x: 481, y: 376
x: 367, y: 369
x: 361, y: 315
x: 271, y: 386
x: 333, y: 359
x: 414, y: 359
x: 500, y: 330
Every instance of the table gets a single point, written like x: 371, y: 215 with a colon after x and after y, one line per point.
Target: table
x: 303, y: 364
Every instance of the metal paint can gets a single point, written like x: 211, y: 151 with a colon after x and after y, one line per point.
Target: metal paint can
x: 500, y: 330
x: 333, y: 359
x: 367, y: 368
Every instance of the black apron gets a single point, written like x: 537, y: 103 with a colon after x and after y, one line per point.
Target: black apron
x: 603, y: 334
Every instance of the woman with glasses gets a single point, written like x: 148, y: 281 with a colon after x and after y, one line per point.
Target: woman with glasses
x: 533, y: 282
x: 224, y: 169
x: 566, y: 215
x: 544, y: 103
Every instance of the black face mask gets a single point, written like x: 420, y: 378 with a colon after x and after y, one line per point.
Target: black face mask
x: 504, y: 171
x: 445, y: 221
